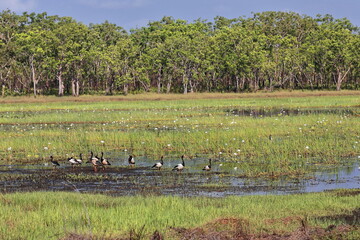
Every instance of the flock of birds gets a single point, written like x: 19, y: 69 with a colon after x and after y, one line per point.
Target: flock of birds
x: 100, y: 163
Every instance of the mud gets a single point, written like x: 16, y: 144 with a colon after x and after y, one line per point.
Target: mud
x: 121, y: 181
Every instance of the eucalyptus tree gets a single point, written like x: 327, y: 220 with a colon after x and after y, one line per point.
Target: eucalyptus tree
x: 34, y: 49
x: 104, y: 38
x: 71, y: 47
x: 10, y: 25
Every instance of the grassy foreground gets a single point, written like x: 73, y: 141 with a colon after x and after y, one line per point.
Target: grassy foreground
x: 46, y: 215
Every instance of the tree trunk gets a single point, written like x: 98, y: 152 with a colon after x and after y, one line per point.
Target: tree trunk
x: 77, y: 85
x: 237, y: 89
x: 159, y: 81
x: 168, y: 86
x: 340, y: 78
x: 126, y: 89
x: 73, y: 88
x: 61, y: 83
x: 33, y: 74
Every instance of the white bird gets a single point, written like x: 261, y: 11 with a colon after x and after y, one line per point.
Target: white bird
x: 180, y: 166
x: 158, y: 165
x: 207, y: 167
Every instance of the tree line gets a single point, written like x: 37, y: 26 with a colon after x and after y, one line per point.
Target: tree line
x: 42, y: 54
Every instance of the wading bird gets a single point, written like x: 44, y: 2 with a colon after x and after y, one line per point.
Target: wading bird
x: 104, y: 161
x: 180, y: 166
x: 131, y: 160
x: 207, y: 167
x: 73, y: 161
x: 158, y: 165
x: 80, y: 160
x: 54, y: 163
x: 95, y: 162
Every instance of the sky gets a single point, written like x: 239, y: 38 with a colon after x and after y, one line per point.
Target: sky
x: 138, y: 13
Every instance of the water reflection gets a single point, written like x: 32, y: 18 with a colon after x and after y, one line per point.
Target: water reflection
x: 120, y: 179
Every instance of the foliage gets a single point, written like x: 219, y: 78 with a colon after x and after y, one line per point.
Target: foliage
x: 270, y: 50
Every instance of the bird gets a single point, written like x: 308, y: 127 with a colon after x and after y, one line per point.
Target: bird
x: 73, y: 161
x: 131, y: 160
x: 95, y: 162
x: 207, y: 167
x: 158, y: 165
x: 79, y: 160
x: 180, y: 166
x: 270, y: 137
x: 103, y: 160
x: 54, y: 163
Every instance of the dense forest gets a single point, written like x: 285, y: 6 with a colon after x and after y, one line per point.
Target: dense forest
x: 41, y: 54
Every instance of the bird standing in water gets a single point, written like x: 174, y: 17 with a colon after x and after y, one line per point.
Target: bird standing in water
x: 208, y: 167
x: 179, y: 167
x: 54, y: 163
x: 158, y: 165
x: 131, y: 160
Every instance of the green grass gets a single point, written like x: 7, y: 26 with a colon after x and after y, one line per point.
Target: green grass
x: 46, y: 215
x: 31, y: 132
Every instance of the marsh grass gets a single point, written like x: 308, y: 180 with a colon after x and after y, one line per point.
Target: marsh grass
x: 30, y: 132
x: 46, y: 215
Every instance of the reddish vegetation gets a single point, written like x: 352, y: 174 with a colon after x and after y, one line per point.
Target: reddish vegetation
x: 239, y: 229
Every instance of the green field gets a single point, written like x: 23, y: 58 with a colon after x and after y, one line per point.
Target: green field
x: 326, y: 132
x: 305, y: 131
x: 57, y: 215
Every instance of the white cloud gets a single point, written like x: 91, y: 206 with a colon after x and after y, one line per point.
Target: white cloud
x: 18, y: 5
x: 114, y: 4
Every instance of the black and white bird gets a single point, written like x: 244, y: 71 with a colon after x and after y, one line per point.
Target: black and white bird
x: 158, y: 165
x: 180, y: 166
x: 73, y: 161
x: 53, y: 162
x: 103, y: 160
x: 207, y: 167
x: 79, y: 160
x: 131, y: 160
x: 95, y: 161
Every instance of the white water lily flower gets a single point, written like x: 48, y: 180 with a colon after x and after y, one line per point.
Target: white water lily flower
x: 9, y: 148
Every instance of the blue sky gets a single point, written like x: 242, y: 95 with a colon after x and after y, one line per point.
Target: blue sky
x: 137, y: 13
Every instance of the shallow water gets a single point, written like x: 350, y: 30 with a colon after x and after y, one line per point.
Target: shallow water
x: 120, y: 179
x: 290, y: 112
